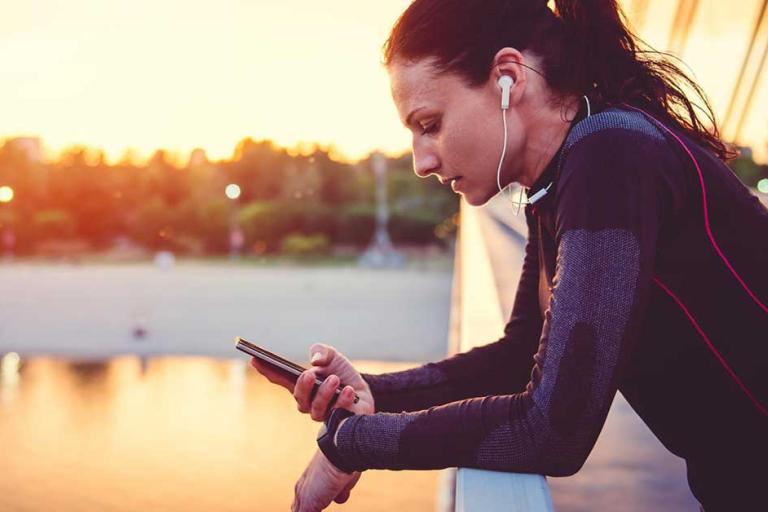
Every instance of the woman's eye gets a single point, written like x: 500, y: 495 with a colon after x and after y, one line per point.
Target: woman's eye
x: 432, y: 128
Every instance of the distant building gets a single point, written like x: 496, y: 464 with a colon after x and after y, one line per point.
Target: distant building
x: 30, y: 146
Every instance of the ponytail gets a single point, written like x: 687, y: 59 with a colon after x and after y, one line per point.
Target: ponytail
x: 595, y: 36
x: 607, y: 54
x: 585, y: 48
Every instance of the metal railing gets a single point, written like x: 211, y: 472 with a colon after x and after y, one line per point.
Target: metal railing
x: 477, y: 317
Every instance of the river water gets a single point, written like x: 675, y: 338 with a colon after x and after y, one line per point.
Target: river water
x: 167, y: 434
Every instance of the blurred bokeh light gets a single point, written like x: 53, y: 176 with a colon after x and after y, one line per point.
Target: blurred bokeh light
x: 232, y: 191
x: 6, y: 194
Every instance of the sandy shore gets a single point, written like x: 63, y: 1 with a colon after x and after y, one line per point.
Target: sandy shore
x: 197, y: 309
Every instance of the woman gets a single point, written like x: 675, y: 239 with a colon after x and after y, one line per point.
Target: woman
x: 644, y: 269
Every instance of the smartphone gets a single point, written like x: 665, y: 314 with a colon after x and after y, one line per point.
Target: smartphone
x: 283, y: 365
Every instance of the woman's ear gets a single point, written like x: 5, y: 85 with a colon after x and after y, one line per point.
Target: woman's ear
x: 507, y: 62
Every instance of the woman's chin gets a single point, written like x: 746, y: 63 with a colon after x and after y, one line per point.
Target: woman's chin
x: 474, y: 198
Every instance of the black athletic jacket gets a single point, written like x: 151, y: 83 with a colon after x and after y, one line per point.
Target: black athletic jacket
x: 630, y: 282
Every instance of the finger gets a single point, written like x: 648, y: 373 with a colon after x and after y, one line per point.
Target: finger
x: 321, y: 355
x: 303, y: 389
x: 343, y: 496
x: 271, y: 374
x: 296, y: 505
x: 346, y: 398
x: 324, y: 395
x: 317, y: 347
x: 261, y: 367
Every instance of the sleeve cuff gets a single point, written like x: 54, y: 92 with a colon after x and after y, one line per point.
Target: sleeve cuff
x: 325, y: 439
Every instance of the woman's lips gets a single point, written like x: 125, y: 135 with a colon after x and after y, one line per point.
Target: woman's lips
x: 454, y: 183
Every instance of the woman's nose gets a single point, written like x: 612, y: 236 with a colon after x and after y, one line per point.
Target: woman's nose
x: 425, y: 162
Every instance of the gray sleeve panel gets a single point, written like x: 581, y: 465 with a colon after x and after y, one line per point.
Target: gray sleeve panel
x: 589, y: 313
x: 551, y: 427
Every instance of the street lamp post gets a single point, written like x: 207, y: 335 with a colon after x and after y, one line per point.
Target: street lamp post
x: 381, y: 252
x: 236, y: 237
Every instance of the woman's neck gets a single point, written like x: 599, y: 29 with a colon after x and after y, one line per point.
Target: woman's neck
x: 547, y: 133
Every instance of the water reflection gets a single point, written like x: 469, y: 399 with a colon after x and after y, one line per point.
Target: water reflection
x: 167, y: 434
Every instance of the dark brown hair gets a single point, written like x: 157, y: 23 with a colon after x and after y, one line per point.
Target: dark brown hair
x: 585, y: 48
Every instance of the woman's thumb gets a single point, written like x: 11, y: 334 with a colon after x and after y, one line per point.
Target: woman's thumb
x: 320, y: 354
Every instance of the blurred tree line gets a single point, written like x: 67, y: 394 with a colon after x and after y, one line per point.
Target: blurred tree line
x: 288, y: 203
x: 302, y: 200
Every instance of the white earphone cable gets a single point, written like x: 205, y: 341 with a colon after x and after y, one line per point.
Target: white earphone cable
x: 503, y: 149
x: 501, y: 162
x: 540, y: 194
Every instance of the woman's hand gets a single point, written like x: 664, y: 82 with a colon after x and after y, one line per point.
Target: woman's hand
x: 329, y: 363
x: 320, y: 484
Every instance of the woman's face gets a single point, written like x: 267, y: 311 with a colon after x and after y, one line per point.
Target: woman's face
x: 457, y: 131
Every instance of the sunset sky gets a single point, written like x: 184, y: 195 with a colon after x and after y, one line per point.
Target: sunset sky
x: 179, y: 75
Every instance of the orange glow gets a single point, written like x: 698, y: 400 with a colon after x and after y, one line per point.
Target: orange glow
x: 131, y: 77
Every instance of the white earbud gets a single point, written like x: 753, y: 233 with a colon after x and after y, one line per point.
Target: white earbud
x: 505, y: 82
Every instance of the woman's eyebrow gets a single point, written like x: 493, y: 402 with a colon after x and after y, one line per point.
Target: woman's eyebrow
x: 408, y: 119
